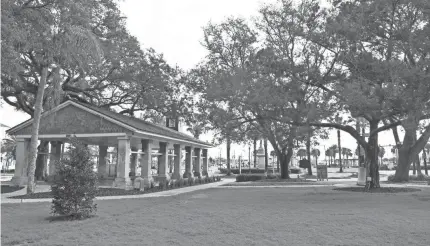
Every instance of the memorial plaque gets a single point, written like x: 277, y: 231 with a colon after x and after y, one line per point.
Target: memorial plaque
x: 322, y: 172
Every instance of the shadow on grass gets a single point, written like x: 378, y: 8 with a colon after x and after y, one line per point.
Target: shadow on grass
x: 58, y: 218
x: 9, y: 189
x: 110, y: 192
x: 378, y: 190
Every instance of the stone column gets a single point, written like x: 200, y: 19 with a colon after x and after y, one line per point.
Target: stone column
x: 163, y: 161
x: 205, y: 162
x: 133, y: 162
x: 102, y: 168
x: 188, y: 162
x: 145, y: 162
x: 20, y: 176
x: 177, y: 161
x: 198, y: 165
x: 56, y: 149
x: 122, y: 179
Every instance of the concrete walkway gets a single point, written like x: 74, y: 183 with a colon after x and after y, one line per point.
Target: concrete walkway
x: 5, y: 199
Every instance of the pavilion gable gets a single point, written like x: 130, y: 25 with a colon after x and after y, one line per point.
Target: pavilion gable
x: 72, y: 120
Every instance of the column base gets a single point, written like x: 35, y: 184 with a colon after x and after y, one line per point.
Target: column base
x: 188, y: 175
x: 122, y: 183
x: 197, y: 174
x: 19, y: 181
x: 205, y: 173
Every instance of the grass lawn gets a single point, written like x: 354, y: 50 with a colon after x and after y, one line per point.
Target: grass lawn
x: 229, y: 216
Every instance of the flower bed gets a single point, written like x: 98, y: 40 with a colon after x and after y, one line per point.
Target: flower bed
x: 119, y: 192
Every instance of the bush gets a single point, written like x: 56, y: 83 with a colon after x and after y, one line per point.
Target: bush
x: 421, y: 177
x: 164, y: 184
x: 8, y: 171
x: 384, y: 167
x: 295, y: 170
x: 411, y: 178
x: 272, y: 176
x: 244, y: 170
x: 249, y: 177
x: 75, y: 184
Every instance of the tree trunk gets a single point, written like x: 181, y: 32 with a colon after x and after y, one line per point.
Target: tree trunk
x: 372, y: 159
x: 425, y: 161
x: 285, y: 160
x: 277, y: 164
x: 31, y: 185
x: 228, y: 154
x: 308, y: 152
x: 266, y: 157
x: 340, y: 151
x: 255, y: 152
x: 417, y: 159
x: 41, y: 160
x: 409, y: 149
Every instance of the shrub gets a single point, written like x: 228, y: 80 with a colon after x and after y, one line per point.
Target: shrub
x: 75, y: 184
x: 272, y: 176
x: 249, y: 177
x: 411, y: 178
x: 295, y: 170
x: 420, y: 177
x: 164, y: 184
x: 384, y: 167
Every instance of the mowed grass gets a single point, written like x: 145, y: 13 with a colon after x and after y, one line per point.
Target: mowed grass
x: 233, y: 216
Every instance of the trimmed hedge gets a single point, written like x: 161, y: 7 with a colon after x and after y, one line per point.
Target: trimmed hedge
x: 254, y: 177
x: 255, y: 170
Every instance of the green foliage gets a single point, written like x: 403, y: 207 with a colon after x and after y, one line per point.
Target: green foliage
x: 75, y: 184
x: 249, y: 177
x: 384, y: 167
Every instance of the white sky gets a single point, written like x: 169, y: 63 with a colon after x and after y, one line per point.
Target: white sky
x: 174, y: 28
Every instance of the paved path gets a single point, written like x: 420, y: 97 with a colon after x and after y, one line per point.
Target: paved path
x: 5, y: 198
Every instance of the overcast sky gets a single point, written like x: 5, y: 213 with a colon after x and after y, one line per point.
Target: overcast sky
x: 174, y: 28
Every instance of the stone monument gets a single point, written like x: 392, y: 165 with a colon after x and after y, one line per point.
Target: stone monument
x: 260, y: 156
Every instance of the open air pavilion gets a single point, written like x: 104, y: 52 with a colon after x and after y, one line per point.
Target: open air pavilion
x: 137, y: 143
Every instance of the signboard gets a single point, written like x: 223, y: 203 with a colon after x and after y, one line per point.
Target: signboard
x: 304, y: 163
x: 322, y: 172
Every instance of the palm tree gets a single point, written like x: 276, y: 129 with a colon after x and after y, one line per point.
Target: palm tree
x: 328, y: 153
x: 9, y: 147
x: 381, y: 153
x: 346, y: 153
x: 316, y: 153
x: 196, y: 130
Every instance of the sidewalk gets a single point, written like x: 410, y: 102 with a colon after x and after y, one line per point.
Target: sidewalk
x: 5, y: 199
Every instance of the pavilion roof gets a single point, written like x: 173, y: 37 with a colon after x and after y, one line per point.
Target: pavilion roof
x: 134, y: 123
